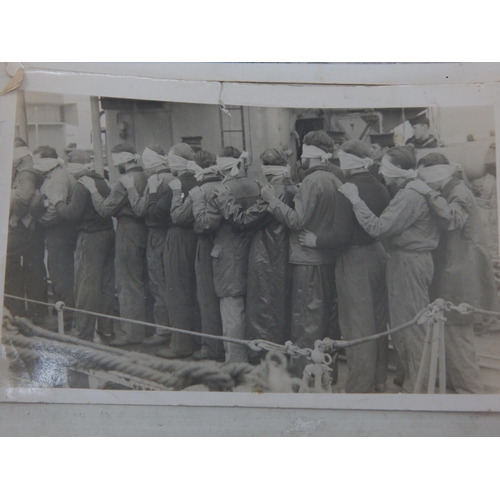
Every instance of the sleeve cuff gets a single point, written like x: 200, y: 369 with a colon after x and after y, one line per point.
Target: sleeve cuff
x: 273, y: 204
x: 358, y: 204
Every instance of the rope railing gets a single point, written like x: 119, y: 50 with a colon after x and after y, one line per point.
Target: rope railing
x: 468, y: 309
x: 177, y: 374
x: 60, y: 306
x: 288, y: 348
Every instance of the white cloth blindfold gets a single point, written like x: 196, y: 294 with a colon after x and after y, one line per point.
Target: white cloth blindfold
x: 314, y: 152
x: 179, y: 164
x: 46, y: 164
x: 124, y: 157
x: 350, y: 162
x: 437, y: 173
x: 232, y: 164
x: 21, y: 152
x: 201, y: 173
x: 387, y: 169
x: 151, y: 159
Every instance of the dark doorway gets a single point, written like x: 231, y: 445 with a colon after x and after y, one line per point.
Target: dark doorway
x: 305, y: 125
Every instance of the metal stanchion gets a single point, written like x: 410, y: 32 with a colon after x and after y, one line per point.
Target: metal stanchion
x: 433, y: 356
x: 60, y: 316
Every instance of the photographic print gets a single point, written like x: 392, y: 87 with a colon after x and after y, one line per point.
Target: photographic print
x: 274, y: 240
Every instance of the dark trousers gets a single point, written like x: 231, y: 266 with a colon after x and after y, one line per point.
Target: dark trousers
x: 60, y: 241
x: 208, y: 301
x: 156, y: 276
x: 363, y: 311
x: 94, y: 282
x: 312, y: 303
x: 313, y: 308
x: 268, y: 312
x: 130, y: 274
x: 25, y: 273
x: 180, y: 279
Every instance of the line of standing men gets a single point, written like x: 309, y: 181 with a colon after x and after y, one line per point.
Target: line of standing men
x: 232, y: 257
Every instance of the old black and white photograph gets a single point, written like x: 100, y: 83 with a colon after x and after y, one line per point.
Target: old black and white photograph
x: 289, y: 229
x: 161, y: 245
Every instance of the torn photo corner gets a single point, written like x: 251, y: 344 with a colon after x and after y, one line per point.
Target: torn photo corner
x: 214, y: 242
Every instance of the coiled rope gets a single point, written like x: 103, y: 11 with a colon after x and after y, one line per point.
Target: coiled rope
x: 39, y: 345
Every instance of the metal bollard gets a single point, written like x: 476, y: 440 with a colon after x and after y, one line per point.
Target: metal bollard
x: 60, y: 317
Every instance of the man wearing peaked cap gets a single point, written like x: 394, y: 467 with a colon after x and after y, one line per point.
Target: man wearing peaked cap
x: 379, y: 144
x: 421, y: 138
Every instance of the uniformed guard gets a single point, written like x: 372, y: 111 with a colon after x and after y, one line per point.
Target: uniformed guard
x: 421, y: 137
